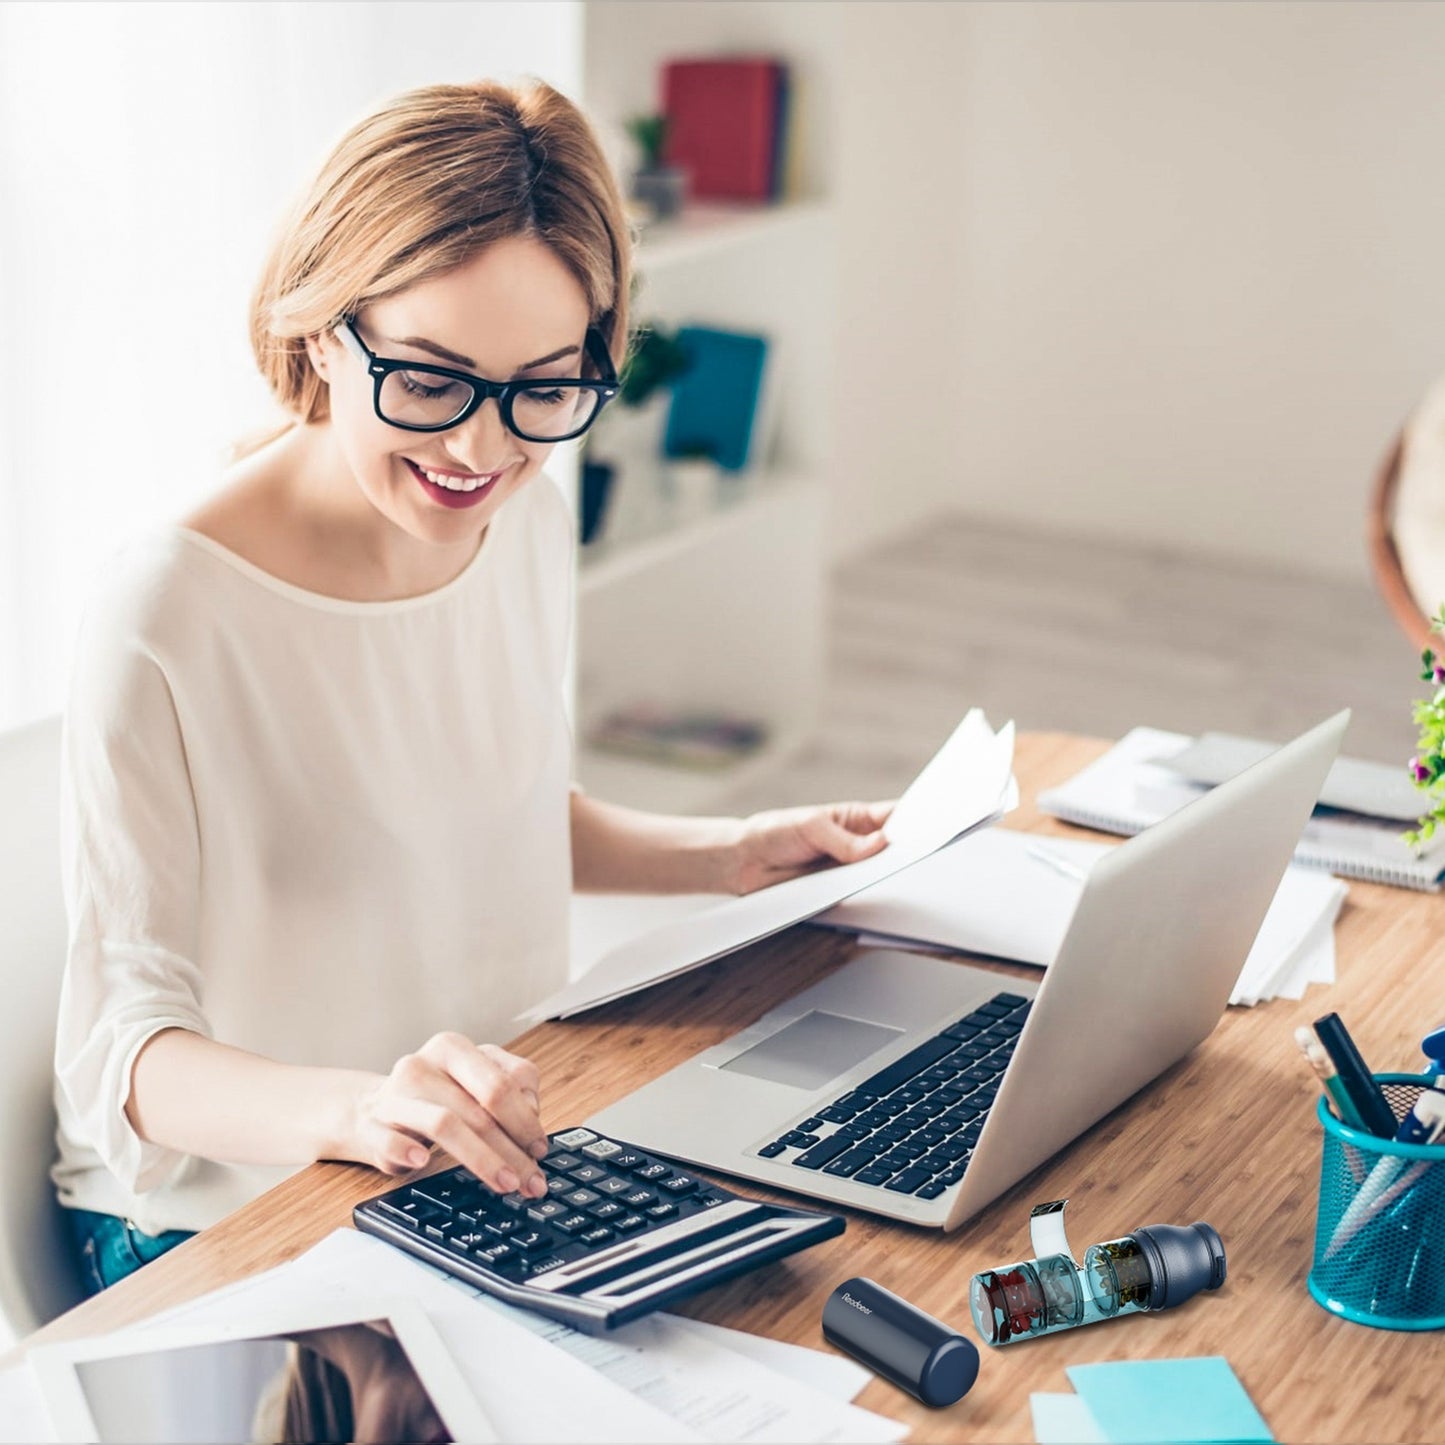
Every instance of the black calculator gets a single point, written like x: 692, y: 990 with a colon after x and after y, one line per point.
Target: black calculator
x: 618, y: 1234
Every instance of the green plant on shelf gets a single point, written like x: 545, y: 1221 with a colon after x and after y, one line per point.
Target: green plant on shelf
x: 658, y: 187
x: 649, y: 133
x: 1427, y: 767
x: 655, y: 359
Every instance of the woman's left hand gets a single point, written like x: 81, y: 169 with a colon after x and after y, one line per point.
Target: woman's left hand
x: 788, y: 842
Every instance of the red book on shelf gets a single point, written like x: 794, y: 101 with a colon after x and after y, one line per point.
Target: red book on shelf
x: 724, y: 125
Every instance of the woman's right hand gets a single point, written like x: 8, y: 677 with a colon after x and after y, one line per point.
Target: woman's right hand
x: 476, y: 1101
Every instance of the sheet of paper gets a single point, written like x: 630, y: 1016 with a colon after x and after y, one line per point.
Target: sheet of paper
x: 716, y: 1392
x: 1299, y: 924
x: 722, y: 1393
x: 1160, y: 1402
x: 23, y: 1417
x: 531, y: 1391
x: 833, y: 1374
x: 996, y: 893
x: 986, y: 893
x: 540, y: 1380
x: 1063, y: 1420
x: 1312, y: 962
x: 602, y: 922
x: 1319, y: 963
x: 967, y: 783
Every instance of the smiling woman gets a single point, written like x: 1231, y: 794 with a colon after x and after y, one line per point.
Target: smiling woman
x: 321, y: 835
x: 296, y: 714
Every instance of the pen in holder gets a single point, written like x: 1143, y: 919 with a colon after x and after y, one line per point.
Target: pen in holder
x: 1380, y: 1231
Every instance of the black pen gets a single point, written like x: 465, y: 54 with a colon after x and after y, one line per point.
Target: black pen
x: 1355, y: 1078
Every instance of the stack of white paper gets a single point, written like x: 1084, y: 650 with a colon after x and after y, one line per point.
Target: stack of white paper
x: 967, y: 784
x: 659, y: 1379
x: 1011, y: 895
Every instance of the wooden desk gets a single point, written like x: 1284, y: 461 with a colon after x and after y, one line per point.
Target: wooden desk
x: 1228, y: 1135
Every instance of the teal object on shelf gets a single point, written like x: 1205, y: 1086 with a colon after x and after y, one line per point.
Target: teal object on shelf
x: 1380, y: 1231
x: 715, y: 401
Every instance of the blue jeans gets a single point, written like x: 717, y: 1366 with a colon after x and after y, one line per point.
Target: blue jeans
x: 110, y: 1248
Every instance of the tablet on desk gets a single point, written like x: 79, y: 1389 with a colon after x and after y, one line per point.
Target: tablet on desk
x: 362, y: 1371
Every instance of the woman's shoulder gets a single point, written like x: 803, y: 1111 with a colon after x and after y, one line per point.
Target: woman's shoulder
x: 161, y: 585
x: 145, y: 613
x: 146, y: 578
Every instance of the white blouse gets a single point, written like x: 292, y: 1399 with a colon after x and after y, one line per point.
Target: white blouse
x: 315, y: 829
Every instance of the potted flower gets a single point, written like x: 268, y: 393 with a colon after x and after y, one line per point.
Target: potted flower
x: 660, y: 187
x: 1427, y: 767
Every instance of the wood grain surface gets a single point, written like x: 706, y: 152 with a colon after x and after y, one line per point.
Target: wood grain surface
x: 1227, y: 1135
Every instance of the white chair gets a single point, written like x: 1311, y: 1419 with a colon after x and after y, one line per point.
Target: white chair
x: 38, y: 1279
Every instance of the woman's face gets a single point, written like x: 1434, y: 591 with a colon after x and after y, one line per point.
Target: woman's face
x: 513, y: 311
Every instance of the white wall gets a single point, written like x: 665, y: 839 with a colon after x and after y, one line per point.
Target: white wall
x: 1177, y: 270
x: 146, y: 153
x: 1202, y: 265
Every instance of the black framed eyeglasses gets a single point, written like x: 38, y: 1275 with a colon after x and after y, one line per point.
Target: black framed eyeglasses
x: 419, y: 397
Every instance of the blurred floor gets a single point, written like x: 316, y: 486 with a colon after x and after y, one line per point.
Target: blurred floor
x: 1087, y: 637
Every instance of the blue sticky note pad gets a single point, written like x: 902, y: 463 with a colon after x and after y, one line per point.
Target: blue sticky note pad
x: 1063, y: 1420
x: 1156, y: 1402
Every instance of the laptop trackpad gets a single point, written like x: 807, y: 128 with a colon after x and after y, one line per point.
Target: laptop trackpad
x: 811, y: 1050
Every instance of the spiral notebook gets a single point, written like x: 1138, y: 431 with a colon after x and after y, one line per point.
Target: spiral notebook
x: 1129, y: 788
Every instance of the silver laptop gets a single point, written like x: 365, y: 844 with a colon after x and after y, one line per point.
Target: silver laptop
x: 921, y: 1089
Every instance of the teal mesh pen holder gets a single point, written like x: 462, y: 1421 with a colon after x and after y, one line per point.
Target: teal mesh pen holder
x: 1380, y: 1232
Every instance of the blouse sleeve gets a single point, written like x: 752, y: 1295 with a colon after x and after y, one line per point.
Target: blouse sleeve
x: 131, y: 861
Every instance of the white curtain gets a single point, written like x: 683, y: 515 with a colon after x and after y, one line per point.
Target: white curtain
x: 146, y: 153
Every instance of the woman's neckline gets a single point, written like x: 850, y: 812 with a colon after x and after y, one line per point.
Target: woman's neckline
x: 322, y: 601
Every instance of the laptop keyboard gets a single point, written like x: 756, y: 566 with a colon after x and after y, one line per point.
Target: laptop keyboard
x: 617, y: 1234
x: 911, y: 1128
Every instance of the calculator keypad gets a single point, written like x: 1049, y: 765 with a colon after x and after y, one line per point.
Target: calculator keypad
x: 598, y: 1193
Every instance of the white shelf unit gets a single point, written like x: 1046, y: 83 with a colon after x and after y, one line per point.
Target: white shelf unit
x: 724, y: 611
x: 709, y: 226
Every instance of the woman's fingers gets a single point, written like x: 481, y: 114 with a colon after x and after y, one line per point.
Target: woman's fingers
x: 842, y: 843
x: 480, y: 1104
x: 854, y: 847
x: 525, y: 1077
x: 393, y: 1150
x: 791, y: 842
x: 486, y: 1150
x: 505, y: 1086
x: 867, y: 817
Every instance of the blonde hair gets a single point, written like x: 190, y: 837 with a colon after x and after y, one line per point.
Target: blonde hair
x: 417, y: 188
